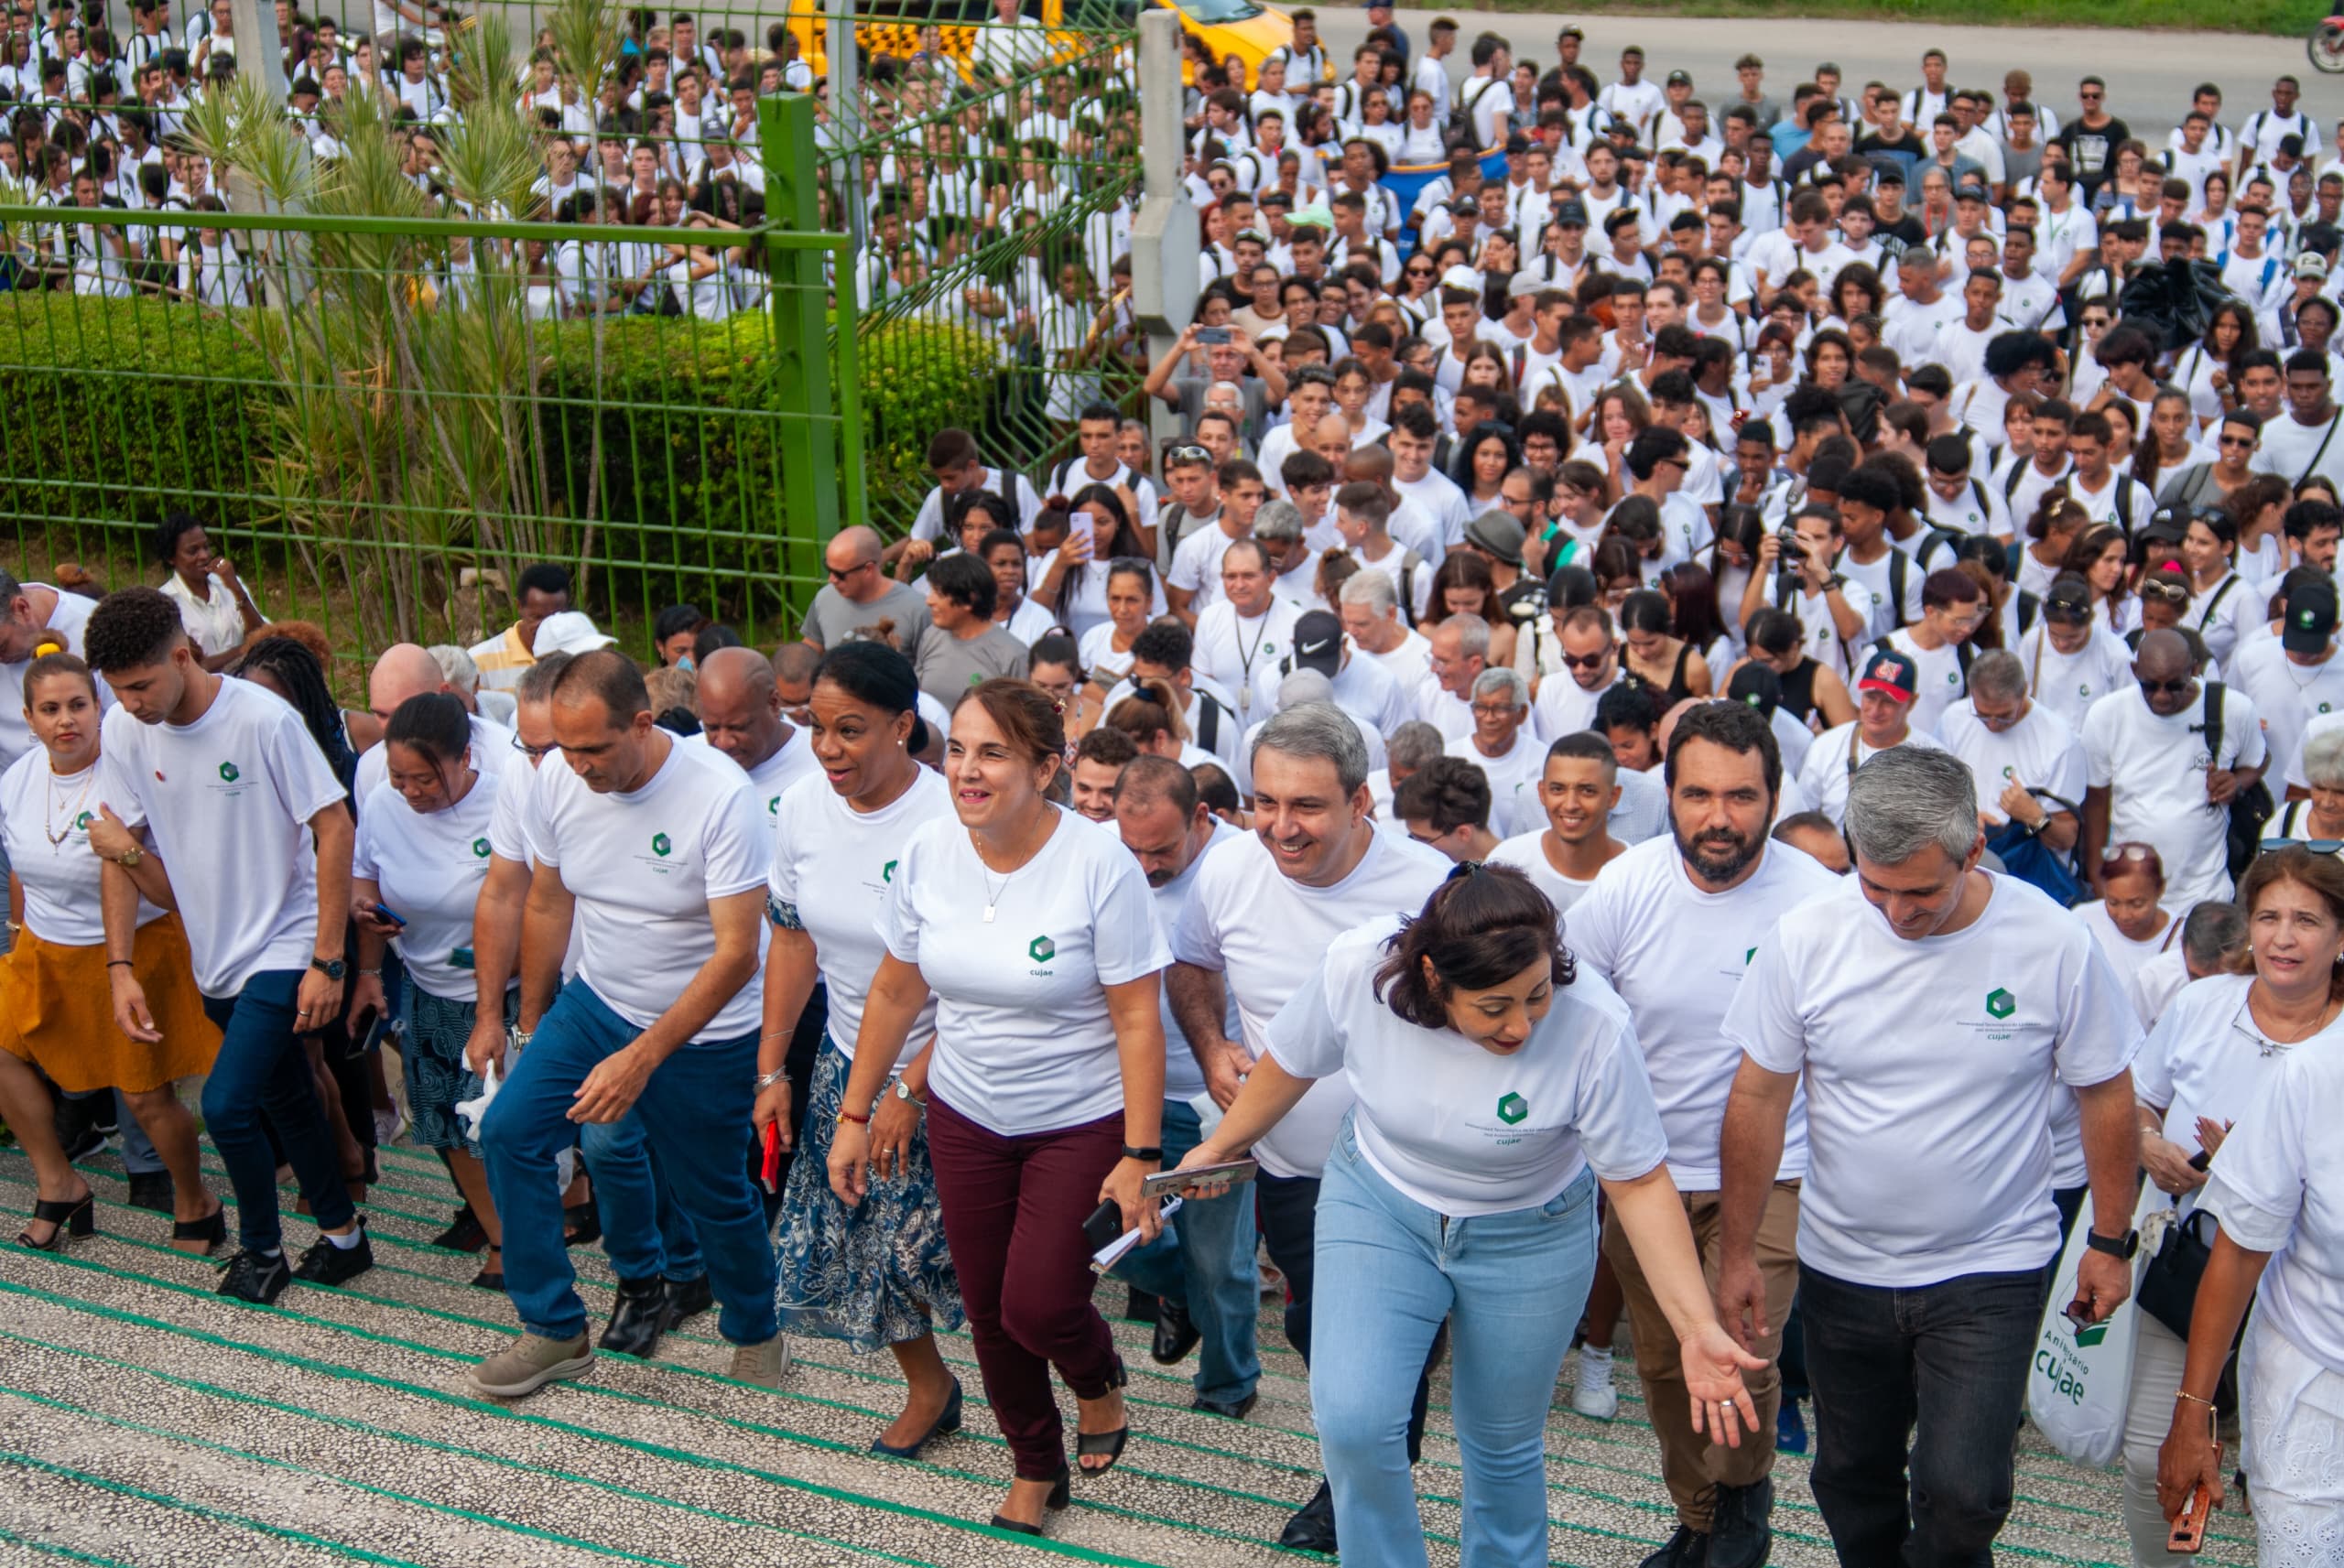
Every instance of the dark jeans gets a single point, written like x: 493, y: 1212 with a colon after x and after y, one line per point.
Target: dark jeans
x: 1940, y: 1367
x: 263, y: 1072
x: 1288, y: 1213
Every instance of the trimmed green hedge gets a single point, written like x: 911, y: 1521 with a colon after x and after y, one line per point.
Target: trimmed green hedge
x: 111, y: 409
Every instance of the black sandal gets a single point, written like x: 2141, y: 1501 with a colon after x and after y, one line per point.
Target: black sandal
x: 68, y: 1217
x: 1061, y: 1495
x: 582, y: 1224
x: 490, y: 1279
x: 1094, y: 1444
x: 212, y: 1230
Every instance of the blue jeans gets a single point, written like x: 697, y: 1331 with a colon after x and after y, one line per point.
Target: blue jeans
x: 694, y: 1111
x: 1942, y: 1368
x: 1206, y: 1258
x: 1510, y: 1286
x: 645, y: 1235
x: 263, y: 1070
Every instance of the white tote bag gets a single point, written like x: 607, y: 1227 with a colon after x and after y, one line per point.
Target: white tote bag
x: 2077, y: 1386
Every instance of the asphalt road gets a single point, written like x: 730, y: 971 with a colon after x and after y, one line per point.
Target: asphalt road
x: 2150, y: 74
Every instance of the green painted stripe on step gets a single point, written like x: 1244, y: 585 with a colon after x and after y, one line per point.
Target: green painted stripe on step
x: 53, y: 1549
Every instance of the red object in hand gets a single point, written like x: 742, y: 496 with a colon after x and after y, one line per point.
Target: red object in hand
x: 769, y: 1167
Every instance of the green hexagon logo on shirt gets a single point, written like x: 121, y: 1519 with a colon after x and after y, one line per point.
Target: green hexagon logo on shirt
x: 1041, y: 949
x: 480, y: 847
x: 1511, y: 1108
x: 228, y: 774
x: 661, y: 844
x: 887, y: 871
x: 2000, y: 1004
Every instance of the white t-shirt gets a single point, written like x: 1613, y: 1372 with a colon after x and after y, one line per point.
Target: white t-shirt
x: 1527, y: 853
x: 492, y: 752
x: 1243, y: 653
x: 67, y: 620
x: 228, y: 800
x: 2291, y: 699
x: 1564, y: 707
x: 1677, y: 954
x: 2040, y: 751
x: 2068, y: 684
x: 2154, y: 772
x: 1834, y: 757
x: 2124, y: 955
x: 1262, y: 931
x: 1184, y: 1078
x: 1929, y: 1068
x: 430, y: 867
x: 1439, y: 498
x: 1515, y: 806
x: 1456, y: 1127
x: 1024, y: 1042
x: 643, y: 868
x: 1937, y: 680
x: 1196, y: 565
x: 60, y: 880
x: 2277, y: 1186
x: 1408, y: 664
x: 774, y: 776
x: 831, y: 868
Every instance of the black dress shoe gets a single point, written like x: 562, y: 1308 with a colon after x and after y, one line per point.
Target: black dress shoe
x: 1740, y: 1536
x: 1228, y: 1409
x: 1688, y: 1548
x: 465, y: 1235
x: 153, y: 1190
x: 325, y: 1264
x: 688, y: 1298
x: 1176, y: 1333
x: 1139, y: 1306
x: 639, y: 1319
x: 1312, y: 1529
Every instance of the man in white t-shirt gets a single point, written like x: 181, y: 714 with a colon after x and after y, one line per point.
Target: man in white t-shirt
x: 2308, y: 441
x: 2024, y: 760
x: 2294, y: 679
x: 656, y: 853
x: 1885, y: 696
x: 402, y: 671
x: 1590, y: 656
x: 1932, y: 1012
x: 32, y: 616
x: 1262, y: 909
x: 739, y: 705
x: 2156, y: 775
x: 1361, y: 686
x: 1201, y: 1268
x: 1369, y: 606
x: 235, y: 797
x: 1717, y: 877
x: 1504, y: 747
x: 1243, y: 635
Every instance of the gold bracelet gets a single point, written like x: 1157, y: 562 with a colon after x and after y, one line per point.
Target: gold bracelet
x: 2193, y: 1399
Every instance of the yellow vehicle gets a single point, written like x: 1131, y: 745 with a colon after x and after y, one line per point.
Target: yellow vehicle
x: 1241, y: 28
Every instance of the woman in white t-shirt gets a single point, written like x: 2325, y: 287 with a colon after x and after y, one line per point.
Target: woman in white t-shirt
x: 1106, y: 648
x: 1496, y: 1088
x: 876, y: 1272
x: 1037, y: 938
x: 417, y: 869
x: 215, y: 606
x: 2267, y: 1095
x: 2129, y: 920
x: 57, y: 1024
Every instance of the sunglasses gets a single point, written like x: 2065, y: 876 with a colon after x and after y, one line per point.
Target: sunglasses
x: 1585, y: 661
x: 2118, y: 854
x: 2236, y: 441
x: 2317, y: 846
x: 2171, y: 686
x: 1188, y: 455
x: 2171, y: 593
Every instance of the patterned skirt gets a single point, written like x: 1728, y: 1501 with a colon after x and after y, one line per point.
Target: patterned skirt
x: 875, y: 1274
x: 437, y: 1030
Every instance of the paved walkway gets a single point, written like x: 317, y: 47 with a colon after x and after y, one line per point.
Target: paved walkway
x: 145, y: 1420
x: 2151, y: 73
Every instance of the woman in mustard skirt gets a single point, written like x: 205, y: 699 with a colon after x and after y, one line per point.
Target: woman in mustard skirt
x: 56, y: 1006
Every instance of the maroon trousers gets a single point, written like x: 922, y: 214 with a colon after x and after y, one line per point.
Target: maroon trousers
x: 1013, y: 1209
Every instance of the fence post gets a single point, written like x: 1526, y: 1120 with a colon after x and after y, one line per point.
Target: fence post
x: 1165, y: 240
x: 802, y: 391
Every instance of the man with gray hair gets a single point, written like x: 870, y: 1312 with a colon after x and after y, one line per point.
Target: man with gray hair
x: 1368, y: 606
x: 1297, y: 689
x: 2025, y: 761
x: 1408, y: 748
x: 1279, y: 528
x: 2212, y: 935
x: 1459, y: 653
x: 1511, y: 760
x: 1931, y: 1011
x: 1261, y: 909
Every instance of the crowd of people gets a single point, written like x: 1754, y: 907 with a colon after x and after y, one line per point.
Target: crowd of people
x: 1479, y: 769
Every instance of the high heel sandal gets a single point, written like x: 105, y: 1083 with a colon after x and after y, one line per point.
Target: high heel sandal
x: 212, y: 1230
x: 1061, y: 1495
x: 1093, y: 1445
x: 70, y: 1217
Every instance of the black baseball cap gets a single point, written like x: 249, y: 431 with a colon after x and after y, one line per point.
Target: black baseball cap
x: 2311, y: 618
x: 1318, y: 643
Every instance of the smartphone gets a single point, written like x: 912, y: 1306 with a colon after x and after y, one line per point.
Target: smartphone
x: 2188, y: 1537
x: 1212, y: 334
x: 1079, y: 524
x: 1105, y: 1224
x: 384, y: 912
x: 1165, y: 1181
x: 769, y: 1159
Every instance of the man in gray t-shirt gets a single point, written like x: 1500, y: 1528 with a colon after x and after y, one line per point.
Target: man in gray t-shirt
x: 859, y: 596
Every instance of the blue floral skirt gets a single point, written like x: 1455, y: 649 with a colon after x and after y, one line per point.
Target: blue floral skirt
x: 875, y: 1274
x: 437, y: 1030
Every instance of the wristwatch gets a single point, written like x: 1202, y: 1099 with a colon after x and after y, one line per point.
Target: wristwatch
x: 904, y: 1093
x: 332, y: 969
x: 2123, y: 1246
x: 130, y: 859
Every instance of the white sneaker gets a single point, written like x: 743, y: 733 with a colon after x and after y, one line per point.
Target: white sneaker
x: 1596, y: 1401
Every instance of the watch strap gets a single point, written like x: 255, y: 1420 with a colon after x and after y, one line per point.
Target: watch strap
x: 1132, y: 1153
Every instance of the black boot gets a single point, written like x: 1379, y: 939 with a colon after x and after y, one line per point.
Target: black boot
x: 1312, y: 1529
x: 1176, y: 1333
x: 639, y: 1319
x: 1740, y: 1536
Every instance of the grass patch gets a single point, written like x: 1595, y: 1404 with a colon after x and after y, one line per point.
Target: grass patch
x: 2278, y: 16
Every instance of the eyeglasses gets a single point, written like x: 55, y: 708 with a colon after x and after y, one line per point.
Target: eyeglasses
x: 841, y: 575
x: 2176, y: 687
x: 2317, y: 846
x: 1495, y: 710
x: 535, y: 754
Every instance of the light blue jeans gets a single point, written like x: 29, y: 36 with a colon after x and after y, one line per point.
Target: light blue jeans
x: 1511, y: 1287
x: 1205, y: 1257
